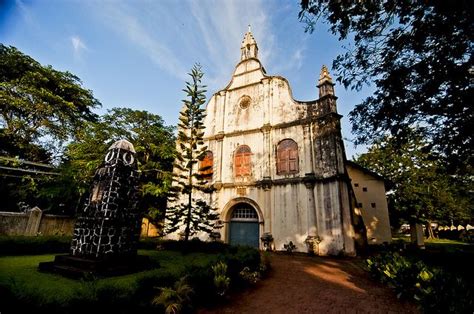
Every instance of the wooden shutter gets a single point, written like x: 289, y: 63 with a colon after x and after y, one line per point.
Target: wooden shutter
x: 242, y: 161
x: 287, y: 157
x: 207, y: 166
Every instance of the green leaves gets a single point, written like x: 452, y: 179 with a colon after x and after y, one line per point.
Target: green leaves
x: 41, y: 109
x: 155, y: 152
x: 419, y: 185
x: 436, y: 290
x: 37, y: 101
x: 419, y: 57
x: 194, y: 215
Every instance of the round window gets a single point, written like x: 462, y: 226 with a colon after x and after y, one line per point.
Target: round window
x: 245, y: 102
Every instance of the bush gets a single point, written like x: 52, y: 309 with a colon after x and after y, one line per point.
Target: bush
x: 194, y: 245
x: 221, y: 281
x: 432, y: 288
x: 24, y: 245
x: 112, y: 295
x: 176, y: 299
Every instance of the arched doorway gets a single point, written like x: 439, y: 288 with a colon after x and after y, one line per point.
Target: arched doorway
x: 244, y: 226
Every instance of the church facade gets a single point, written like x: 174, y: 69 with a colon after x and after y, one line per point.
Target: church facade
x: 278, y: 164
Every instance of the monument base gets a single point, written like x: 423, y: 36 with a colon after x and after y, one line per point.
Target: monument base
x: 80, y: 267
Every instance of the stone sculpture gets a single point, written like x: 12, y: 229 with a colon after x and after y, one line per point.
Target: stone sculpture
x: 109, y: 224
x: 107, y: 230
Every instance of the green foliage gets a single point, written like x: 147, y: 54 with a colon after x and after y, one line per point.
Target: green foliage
x: 23, y: 245
x: 419, y: 55
x: 194, y: 245
x: 435, y: 290
x: 154, y: 146
x: 40, y: 110
x: 176, y: 300
x: 24, y: 289
x: 252, y: 277
x: 221, y: 281
x: 189, y: 210
x: 37, y: 101
x: 420, y: 188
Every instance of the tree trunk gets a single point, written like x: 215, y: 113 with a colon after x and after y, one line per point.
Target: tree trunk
x: 416, y: 235
x: 429, y: 230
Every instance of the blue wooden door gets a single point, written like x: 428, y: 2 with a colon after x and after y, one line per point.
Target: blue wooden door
x: 244, y: 233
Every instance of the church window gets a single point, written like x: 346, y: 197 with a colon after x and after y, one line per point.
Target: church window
x: 287, y: 157
x: 356, y: 185
x: 364, y: 189
x: 242, y: 160
x: 206, y: 165
x: 373, y: 205
x: 244, y: 213
x: 244, y: 102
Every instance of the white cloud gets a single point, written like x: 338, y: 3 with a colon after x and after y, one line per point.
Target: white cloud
x: 222, y: 25
x: 78, y: 46
x: 25, y: 12
x: 175, y: 35
x: 141, y: 32
x: 295, y: 61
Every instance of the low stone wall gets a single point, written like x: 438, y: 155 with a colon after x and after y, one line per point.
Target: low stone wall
x: 13, y: 223
x: 35, y: 222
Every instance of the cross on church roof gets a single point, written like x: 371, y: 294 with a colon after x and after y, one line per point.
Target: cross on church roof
x: 249, y: 48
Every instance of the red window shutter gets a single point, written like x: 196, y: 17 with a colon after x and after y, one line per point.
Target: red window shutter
x: 287, y: 157
x: 208, y: 163
x: 242, y: 160
x: 293, y: 154
x: 293, y: 166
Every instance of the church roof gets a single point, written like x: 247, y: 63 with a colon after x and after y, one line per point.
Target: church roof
x: 365, y: 170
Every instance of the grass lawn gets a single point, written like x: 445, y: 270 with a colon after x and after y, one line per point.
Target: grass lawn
x: 450, y: 255
x: 20, y: 272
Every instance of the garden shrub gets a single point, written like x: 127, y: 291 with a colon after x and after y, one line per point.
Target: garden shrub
x: 435, y: 290
x: 237, y: 258
x: 201, y: 279
x: 24, y: 245
x: 106, y: 296
x: 176, y: 299
x: 194, y: 245
x: 221, y: 281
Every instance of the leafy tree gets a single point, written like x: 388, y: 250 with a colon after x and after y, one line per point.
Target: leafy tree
x: 419, y: 54
x: 40, y: 107
x: 154, y: 145
x: 420, y: 189
x: 189, y: 211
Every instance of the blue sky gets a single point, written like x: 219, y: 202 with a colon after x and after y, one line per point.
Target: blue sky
x: 136, y: 53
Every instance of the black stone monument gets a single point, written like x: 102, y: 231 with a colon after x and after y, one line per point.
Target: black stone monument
x: 107, y: 230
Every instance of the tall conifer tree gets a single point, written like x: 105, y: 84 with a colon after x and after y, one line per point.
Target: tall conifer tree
x: 188, y: 210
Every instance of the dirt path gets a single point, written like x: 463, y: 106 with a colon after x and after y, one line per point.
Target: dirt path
x: 299, y: 284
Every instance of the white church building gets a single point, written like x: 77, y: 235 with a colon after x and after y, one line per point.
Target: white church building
x: 279, y: 165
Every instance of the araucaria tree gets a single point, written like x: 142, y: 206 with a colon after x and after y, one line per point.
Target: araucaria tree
x: 187, y: 208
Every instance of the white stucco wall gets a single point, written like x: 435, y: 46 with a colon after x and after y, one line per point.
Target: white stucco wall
x: 312, y: 202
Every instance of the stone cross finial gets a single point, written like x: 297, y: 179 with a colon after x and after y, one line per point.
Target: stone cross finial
x: 324, y: 75
x: 249, y: 47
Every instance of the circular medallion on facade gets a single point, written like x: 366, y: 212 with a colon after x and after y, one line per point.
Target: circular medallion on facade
x: 244, y: 102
